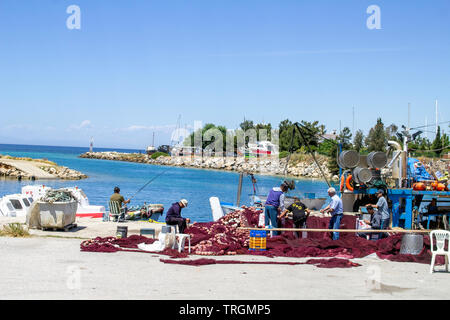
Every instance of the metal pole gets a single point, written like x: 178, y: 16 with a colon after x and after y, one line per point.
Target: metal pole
x: 312, y: 153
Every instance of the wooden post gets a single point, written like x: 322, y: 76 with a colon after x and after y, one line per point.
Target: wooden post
x: 238, y: 201
x: 341, y: 230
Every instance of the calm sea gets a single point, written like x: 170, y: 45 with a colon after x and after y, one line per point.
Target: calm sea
x: 195, y: 185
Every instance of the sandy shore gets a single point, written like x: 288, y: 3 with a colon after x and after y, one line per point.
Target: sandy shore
x: 50, y: 265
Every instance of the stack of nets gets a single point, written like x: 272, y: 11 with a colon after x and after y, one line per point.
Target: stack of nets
x: 223, y: 237
x: 57, y: 195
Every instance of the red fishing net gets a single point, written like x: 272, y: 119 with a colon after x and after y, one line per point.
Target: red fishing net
x: 224, y: 238
x: 320, y: 263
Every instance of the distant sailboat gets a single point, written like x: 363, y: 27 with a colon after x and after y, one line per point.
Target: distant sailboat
x: 151, y: 149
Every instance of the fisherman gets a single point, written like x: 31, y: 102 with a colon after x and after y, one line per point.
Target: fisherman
x: 336, y: 209
x: 173, y: 216
x: 119, y: 198
x: 275, y: 205
x: 383, y: 208
x: 375, y: 222
x: 300, y: 214
x: 432, y: 208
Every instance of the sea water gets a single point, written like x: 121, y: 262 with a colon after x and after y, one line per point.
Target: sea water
x: 195, y: 185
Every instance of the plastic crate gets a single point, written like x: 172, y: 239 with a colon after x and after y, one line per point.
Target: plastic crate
x: 258, y: 240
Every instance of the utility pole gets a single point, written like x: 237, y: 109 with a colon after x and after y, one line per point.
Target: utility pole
x: 353, y: 123
x: 409, y: 116
x: 436, y: 116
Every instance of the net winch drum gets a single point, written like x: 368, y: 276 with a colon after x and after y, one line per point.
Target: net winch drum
x: 412, y: 243
x: 348, y: 159
x: 361, y: 175
x: 377, y: 160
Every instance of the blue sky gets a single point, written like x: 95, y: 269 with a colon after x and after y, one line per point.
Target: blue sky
x: 135, y: 66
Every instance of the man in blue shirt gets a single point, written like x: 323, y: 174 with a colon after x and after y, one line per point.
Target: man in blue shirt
x: 274, y: 205
x: 383, y: 208
x: 337, y: 211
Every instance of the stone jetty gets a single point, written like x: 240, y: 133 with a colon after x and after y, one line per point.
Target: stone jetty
x: 28, y: 168
x: 304, y: 168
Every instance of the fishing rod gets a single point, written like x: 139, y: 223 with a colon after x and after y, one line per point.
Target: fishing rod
x: 152, y: 179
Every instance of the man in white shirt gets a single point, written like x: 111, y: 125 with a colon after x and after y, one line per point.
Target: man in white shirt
x: 336, y: 209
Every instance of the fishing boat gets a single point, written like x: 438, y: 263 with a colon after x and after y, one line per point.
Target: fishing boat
x: 311, y: 203
x: 16, y: 205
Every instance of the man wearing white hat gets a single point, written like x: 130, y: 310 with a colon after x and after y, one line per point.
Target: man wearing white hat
x: 174, y: 217
x: 336, y: 209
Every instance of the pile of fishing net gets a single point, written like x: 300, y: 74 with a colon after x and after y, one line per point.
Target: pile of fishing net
x: 223, y: 237
x: 57, y: 195
x: 112, y: 244
x: 320, y: 263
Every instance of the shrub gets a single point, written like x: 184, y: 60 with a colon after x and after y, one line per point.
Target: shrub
x: 159, y: 154
x: 283, y: 154
x: 14, y: 230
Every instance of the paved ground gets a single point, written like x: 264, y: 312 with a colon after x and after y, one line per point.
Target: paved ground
x: 55, y: 268
x: 30, y: 167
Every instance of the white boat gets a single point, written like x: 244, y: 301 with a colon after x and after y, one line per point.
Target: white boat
x: 16, y: 205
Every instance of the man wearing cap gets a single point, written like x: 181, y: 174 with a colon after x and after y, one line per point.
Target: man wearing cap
x: 274, y: 205
x: 375, y: 222
x: 383, y: 208
x: 174, y: 217
x: 336, y: 209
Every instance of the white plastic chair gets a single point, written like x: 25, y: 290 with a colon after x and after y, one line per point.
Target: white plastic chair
x: 441, y: 236
x: 181, y: 237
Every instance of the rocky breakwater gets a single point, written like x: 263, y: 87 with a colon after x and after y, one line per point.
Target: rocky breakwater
x: 28, y: 168
x: 303, y: 168
x: 64, y: 172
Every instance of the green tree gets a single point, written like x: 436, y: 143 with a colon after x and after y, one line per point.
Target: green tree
x: 263, y: 126
x: 437, y: 143
x: 345, y: 138
x: 376, y: 139
x: 358, y: 141
x: 391, y: 132
x: 208, y: 142
x: 246, y: 124
x: 445, y: 142
x: 285, y: 136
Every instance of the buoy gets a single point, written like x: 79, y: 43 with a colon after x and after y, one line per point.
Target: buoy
x: 440, y: 187
x: 347, y: 183
x: 419, y: 186
x: 342, y: 182
x: 434, y: 185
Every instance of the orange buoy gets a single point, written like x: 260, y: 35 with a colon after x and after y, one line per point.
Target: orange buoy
x: 342, y: 183
x: 440, y: 187
x: 420, y: 186
x: 347, y: 183
x: 434, y: 185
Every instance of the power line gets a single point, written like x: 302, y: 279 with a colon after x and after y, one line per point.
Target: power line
x: 430, y: 125
x: 433, y: 150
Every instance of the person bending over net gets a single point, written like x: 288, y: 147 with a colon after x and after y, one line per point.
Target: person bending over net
x: 173, y: 216
x: 300, y: 214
